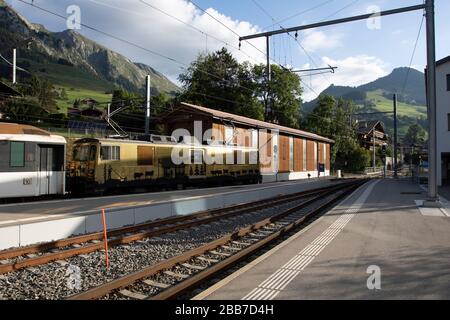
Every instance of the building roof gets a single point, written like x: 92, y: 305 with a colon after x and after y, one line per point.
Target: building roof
x: 442, y: 61
x: 250, y: 122
x: 366, y: 127
x: 14, y: 128
x: 6, y: 89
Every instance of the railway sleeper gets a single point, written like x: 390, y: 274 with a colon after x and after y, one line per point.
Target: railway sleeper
x: 156, y: 284
x: 176, y: 275
x: 217, y: 253
x: 191, y: 266
x: 209, y: 260
x: 132, y: 295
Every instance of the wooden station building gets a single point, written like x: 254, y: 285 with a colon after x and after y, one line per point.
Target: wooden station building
x: 284, y: 153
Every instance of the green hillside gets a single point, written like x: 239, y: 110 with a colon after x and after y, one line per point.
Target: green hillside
x: 377, y: 97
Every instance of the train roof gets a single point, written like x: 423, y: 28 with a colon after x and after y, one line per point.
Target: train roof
x: 24, y: 132
x: 185, y: 145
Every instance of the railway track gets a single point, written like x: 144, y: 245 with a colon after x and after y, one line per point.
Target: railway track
x: 35, y: 255
x: 170, y: 278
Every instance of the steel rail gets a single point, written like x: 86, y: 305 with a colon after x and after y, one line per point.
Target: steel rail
x: 121, y: 235
x: 121, y: 282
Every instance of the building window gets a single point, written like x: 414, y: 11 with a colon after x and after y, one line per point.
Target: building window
x: 254, y: 138
x: 17, y: 154
x: 229, y: 135
x: 110, y: 153
x: 448, y: 82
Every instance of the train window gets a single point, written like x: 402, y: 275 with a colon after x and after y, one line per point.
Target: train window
x: 110, y: 153
x: 17, y: 154
x: 145, y: 156
x: 93, y: 153
x: 81, y: 153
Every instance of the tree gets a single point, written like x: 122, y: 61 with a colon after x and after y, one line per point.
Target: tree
x: 330, y: 118
x: 281, y: 96
x: 26, y: 109
x: 416, y: 135
x: 218, y: 81
x: 43, y: 90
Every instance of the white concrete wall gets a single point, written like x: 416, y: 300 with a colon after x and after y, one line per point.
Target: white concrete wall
x: 291, y: 176
x: 443, y: 109
x: 27, y: 233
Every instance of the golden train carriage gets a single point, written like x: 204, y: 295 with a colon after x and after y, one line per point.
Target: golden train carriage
x: 105, y: 164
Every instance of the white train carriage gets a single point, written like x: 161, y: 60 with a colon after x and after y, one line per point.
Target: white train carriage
x: 32, y: 162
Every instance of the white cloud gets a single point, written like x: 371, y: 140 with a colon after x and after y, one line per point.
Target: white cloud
x: 352, y: 71
x: 317, y: 40
x: 141, y: 24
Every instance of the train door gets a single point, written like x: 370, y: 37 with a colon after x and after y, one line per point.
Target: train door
x: 51, y: 169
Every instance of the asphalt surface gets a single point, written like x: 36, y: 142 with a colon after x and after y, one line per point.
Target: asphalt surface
x: 406, y: 253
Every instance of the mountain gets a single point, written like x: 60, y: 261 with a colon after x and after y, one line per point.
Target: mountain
x: 69, y: 59
x: 377, y: 96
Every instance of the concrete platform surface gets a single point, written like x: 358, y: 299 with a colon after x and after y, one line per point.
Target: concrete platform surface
x: 35, y: 222
x: 76, y: 206
x: 376, y: 244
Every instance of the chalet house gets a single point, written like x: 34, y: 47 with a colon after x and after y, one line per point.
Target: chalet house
x: 292, y: 154
x: 367, y: 131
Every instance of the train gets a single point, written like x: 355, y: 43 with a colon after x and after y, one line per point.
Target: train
x: 33, y: 163
x: 100, y: 165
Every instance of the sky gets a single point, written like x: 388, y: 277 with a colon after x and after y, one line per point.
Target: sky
x: 363, y: 51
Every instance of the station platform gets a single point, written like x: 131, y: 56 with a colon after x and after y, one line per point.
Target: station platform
x: 33, y: 222
x: 376, y: 244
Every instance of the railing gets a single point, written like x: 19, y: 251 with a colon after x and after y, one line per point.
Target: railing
x: 373, y: 170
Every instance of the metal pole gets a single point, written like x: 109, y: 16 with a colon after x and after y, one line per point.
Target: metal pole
x: 147, y: 112
x: 374, y: 150
x: 431, y: 81
x: 395, y: 138
x: 333, y: 22
x: 14, y: 66
x: 268, y: 75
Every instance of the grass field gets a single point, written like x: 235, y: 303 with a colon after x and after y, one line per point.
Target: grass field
x: 81, y: 93
x: 385, y: 105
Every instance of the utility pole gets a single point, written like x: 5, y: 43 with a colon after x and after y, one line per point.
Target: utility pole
x: 147, y: 110
x: 374, y: 150
x: 395, y: 138
x: 428, y: 6
x: 268, y: 76
x: 14, y: 80
x: 433, y: 199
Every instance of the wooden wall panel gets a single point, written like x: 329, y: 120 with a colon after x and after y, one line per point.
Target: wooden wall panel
x: 218, y: 131
x: 321, y: 147
x: 328, y: 159
x: 310, y: 165
x: 284, y: 154
x: 298, y: 155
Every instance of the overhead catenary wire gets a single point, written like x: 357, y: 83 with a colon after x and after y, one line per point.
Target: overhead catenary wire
x: 412, y: 55
x: 129, y: 42
x: 153, y: 52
